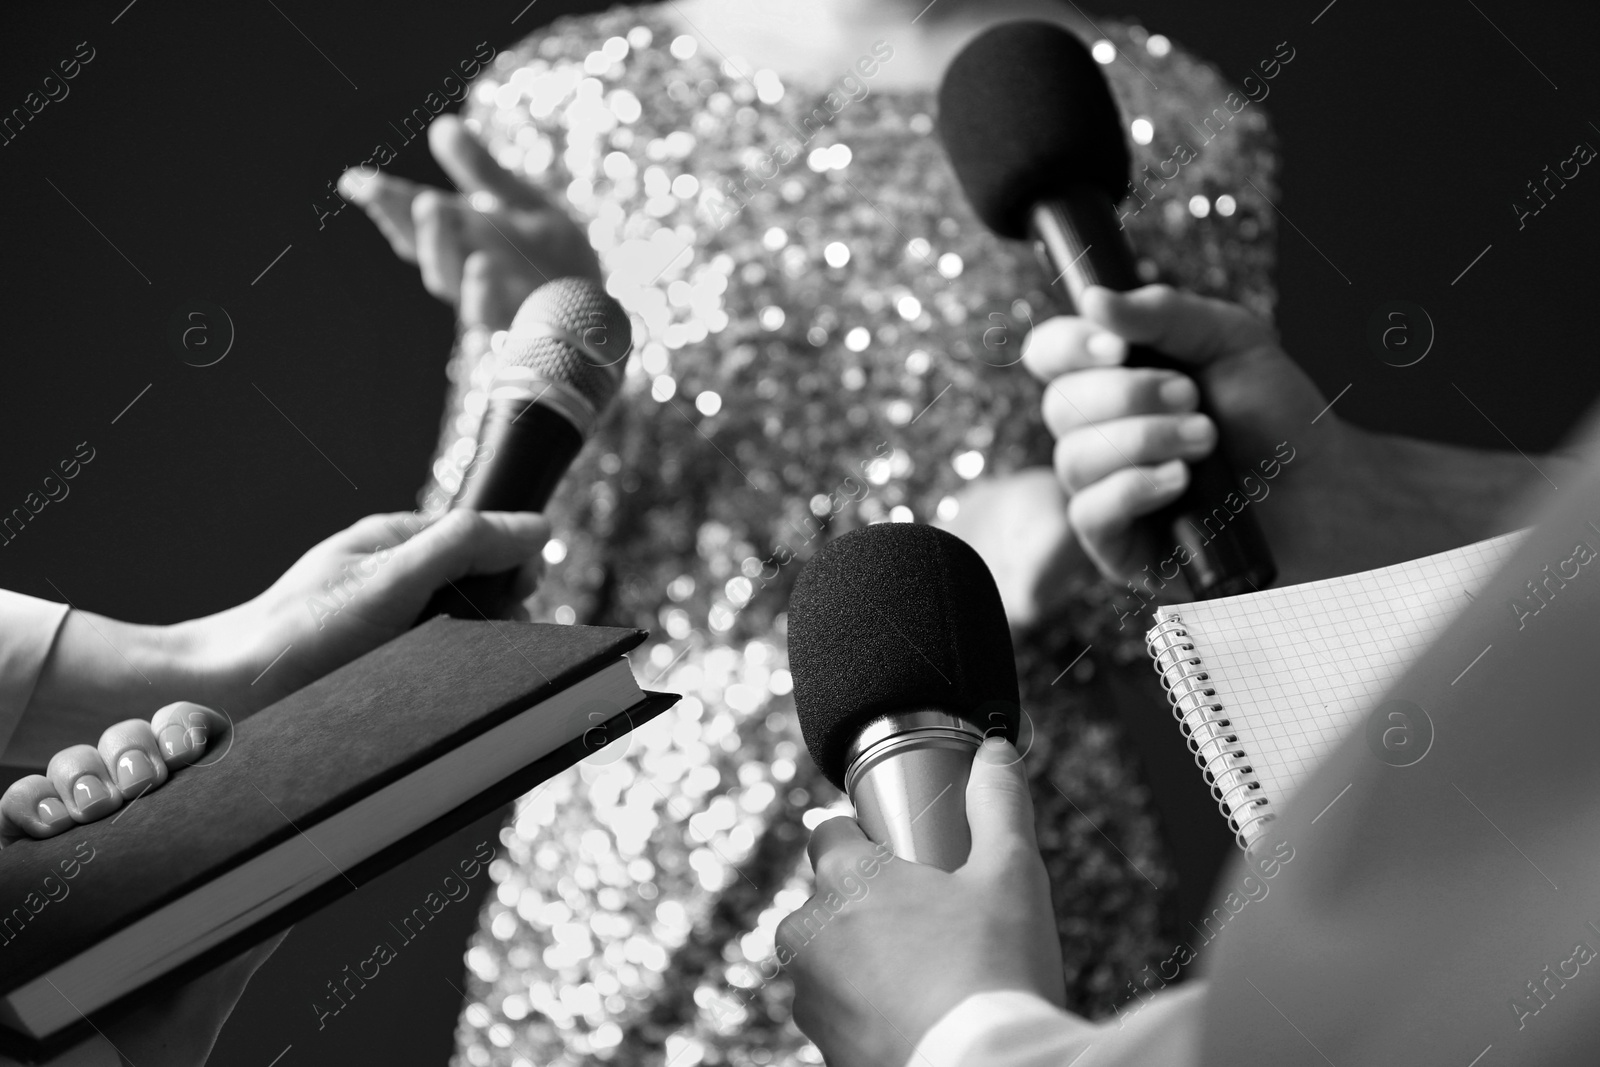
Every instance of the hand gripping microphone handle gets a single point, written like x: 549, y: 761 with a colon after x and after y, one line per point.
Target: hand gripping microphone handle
x: 902, y: 664
x: 557, y: 369
x: 524, y: 447
x: 1081, y: 244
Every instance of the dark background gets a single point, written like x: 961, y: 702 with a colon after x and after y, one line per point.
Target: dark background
x: 199, y: 139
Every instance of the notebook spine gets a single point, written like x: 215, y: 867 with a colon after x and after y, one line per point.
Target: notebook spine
x: 1208, y: 730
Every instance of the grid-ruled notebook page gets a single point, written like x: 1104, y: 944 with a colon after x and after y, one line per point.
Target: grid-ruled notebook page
x: 1296, y: 668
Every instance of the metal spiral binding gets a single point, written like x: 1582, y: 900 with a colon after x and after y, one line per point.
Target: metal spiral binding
x: 1206, y: 726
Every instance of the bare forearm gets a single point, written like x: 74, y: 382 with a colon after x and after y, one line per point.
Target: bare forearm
x: 1448, y: 495
x: 1367, y: 500
x: 100, y: 672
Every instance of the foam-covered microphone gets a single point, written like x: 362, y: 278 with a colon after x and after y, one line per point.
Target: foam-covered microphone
x: 1035, y: 139
x: 556, y: 371
x: 902, y: 665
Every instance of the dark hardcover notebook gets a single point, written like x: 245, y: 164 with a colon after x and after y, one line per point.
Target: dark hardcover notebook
x: 323, y: 790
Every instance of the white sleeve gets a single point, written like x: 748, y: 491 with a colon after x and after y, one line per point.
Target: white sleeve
x: 1015, y: 1029
x: 28, y: 628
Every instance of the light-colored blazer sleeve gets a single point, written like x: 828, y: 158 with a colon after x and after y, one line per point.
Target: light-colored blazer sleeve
x: 1448, y: 911
x: 1015, y: 1029
x: 1445, y: 911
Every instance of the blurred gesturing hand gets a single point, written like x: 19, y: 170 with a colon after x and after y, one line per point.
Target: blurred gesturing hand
x: 502, y: 222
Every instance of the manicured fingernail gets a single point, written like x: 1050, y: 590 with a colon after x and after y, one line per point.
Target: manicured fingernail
x: 1104, y: 347
x: 1196, y: 429
x: 176, y: 742
x: 53, y: 813
x: 1179, y: 392
x: 1170, y: 474
x: 91, y: 796
x: 134, y: 771
x: 997, y: 751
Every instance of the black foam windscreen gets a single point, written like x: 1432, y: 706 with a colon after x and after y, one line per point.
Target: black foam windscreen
x: 897, y: 617
x: 1025, y: 113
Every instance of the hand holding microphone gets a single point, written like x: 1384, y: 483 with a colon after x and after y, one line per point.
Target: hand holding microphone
x: 557, y: 371
x: 1036, y: 142
x: 902, y: 666
x: 885, y: 947
x: 1124, y: 433
x: 902, y: 662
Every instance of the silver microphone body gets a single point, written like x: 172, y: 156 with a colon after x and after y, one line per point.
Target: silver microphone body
x: 906, y: 775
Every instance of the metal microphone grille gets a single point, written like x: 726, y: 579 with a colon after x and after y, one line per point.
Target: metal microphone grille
x: 570, y: 332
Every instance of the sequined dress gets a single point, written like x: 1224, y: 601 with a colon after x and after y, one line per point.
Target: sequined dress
x: 825, y: 337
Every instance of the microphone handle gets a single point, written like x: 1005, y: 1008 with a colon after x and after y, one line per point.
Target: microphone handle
x: 909, y: 788
x: 524, y: 447
x: 1082, y: 244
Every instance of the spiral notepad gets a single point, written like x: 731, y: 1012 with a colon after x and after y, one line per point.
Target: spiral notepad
x: 1265, y: 684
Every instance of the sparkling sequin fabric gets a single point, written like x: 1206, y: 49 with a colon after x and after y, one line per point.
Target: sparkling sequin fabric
x: 825, y: 337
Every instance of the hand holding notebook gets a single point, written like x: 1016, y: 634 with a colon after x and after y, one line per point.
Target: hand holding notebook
x: 343, y: 597
x: 325, y: 789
